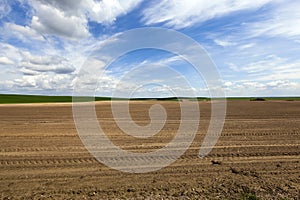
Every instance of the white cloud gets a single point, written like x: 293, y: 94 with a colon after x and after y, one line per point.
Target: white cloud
x: 23, y: 61
x: 246, y: 46
x: 43, y: 83
x: 283, y: 21
x: 273, y: 68
x: 267, y: 88
x: 270, y: 63
x: 104, y: 11
x: 281, y: 84
x: 228, y: 83
x: 6, y: 61
x: 38, y: 71
x: 180, y: 14
x: 56, y: 64
x: 10, y: 52
x: 23, y: 71
x: 69, y: 19
x: 224, y: 43
x: 24, y: 33
x: 4, y: 8
x: 164, y: 61
x: 233, y: 67
x: 51, y: 20
x: 107, y: 11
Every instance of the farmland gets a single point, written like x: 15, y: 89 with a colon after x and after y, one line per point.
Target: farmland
x: 257, y: 155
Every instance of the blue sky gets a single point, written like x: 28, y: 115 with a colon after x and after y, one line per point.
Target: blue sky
x: 255, y: 45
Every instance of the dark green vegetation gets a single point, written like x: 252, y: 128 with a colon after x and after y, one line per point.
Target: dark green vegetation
x: 249, y: 196
x: 11, y: 98
x: 258, y: 99
x: 16, y: 98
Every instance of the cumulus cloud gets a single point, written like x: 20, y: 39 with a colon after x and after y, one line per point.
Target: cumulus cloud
x: 58, y: 84
x: 44, y: 83
x: 6, y: 61
x: 180, y: 14
x: 107, y: 11
x: 23, y: 33
x: 266, y: 88
x: 51, y: 20
x: 10, y: 52
x: 69, y: 18
x: 34, y: 64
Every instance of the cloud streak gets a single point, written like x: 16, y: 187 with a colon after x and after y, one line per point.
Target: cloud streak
x: 181, y: 14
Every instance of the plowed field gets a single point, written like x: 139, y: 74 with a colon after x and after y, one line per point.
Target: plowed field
x: 257, y: 155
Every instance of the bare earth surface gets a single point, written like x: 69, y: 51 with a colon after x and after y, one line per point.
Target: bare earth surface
x: 258, y: 154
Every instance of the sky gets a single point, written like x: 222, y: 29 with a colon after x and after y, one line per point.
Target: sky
x: 45, y: 46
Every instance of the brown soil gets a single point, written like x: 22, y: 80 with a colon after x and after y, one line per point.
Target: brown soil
x: 257, y: 155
